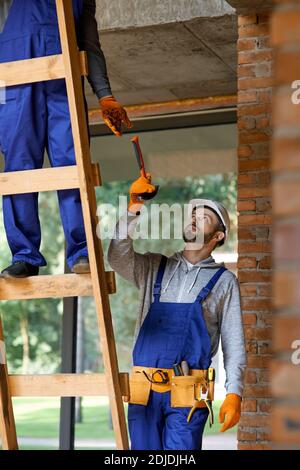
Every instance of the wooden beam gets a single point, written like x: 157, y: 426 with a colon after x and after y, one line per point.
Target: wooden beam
x: 89, y: 209
x: 59, y: 286
x: 171, y: 107
x: 36, y: 70
x: 63, y: 385
x: 7, y: 421
x: 45, y: 179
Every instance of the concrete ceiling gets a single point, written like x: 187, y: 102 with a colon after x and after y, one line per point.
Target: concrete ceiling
x: 163, y: 51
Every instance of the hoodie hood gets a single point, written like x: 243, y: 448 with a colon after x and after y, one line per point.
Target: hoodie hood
x: 180, y: 263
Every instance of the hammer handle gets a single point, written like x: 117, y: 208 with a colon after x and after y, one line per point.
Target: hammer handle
x: 139, y: 155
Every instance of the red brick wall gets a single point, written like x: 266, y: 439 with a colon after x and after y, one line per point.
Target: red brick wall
x: 255, y: 64
x: 286, y: 198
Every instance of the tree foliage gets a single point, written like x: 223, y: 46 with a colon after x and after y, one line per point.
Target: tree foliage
x: 33, y: 328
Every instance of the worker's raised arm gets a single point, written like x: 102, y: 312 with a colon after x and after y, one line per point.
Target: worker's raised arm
x: 132, y: 266
x: 88, y: 40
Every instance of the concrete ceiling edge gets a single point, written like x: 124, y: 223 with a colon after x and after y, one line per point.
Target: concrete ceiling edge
x: 244, y: 7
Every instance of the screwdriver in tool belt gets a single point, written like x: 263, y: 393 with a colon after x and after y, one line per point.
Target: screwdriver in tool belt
x: 177, y: 370
x: 185, y: 368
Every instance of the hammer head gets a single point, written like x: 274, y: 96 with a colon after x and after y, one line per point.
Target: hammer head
x: 148, y: 196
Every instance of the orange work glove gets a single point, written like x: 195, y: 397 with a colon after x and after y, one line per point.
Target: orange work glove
x: 114, y: 115
x: 140, y: 186
x: 230, y: 411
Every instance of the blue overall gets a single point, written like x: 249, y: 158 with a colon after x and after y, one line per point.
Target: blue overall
x: 170, y: 333
x: 36, y: 118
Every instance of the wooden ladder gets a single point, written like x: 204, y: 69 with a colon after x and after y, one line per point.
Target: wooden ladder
x: 71, y: 65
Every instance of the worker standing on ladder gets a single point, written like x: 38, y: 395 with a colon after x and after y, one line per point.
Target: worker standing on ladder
x: 187, y: 302
x: 36, y: 117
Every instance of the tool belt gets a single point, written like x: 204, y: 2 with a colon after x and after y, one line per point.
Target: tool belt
x: 195, y: 390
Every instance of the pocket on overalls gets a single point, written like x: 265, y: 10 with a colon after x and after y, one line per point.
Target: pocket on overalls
x: 8, y: 114
x: 9, y: 95
x: 140, y: 388
x: 10, y: 51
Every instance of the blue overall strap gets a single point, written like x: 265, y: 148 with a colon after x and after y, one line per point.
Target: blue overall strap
x: 159, y: 277
x: 207, y: 289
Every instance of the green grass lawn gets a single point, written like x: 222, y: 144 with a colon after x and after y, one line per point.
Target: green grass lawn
x: 39, y: 418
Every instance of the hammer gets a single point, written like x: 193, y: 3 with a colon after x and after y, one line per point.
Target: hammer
x: 141, y: 164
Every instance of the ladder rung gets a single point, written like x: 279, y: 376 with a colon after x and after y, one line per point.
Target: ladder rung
x: 63, y: 385
x: 41, y: 287
x: 45, y: 179
x: 37, y: 70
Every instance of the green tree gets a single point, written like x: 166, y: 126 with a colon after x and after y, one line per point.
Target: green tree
x: 33, y: 328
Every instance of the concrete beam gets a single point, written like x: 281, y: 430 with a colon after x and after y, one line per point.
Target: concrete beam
x: 244, y: 7
x: 124, y: 14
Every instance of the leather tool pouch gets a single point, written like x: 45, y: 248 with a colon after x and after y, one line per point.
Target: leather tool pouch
x: 185, y: 390
x: 140, y: 388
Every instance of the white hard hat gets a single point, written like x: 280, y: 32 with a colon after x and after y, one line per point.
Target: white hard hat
x: 217, y: 207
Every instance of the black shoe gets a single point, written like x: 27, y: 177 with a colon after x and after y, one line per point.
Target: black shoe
x: 20, y: 269
x: 81, y: 265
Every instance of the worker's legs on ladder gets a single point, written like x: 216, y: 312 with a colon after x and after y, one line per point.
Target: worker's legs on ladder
x: 22, y: 137
x: 35, y: 117
x: 61, y: 152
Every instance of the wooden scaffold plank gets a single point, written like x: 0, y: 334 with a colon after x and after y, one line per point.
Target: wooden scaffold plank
x: 43, y: 287
x: 39, y: 69
x: 63, y: 385
x: 45, y: 179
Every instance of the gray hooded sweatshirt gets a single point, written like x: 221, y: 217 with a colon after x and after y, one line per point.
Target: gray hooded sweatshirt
x: 182, y: 282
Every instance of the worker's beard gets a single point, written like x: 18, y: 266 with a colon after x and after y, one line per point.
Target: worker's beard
x: 196, y: 239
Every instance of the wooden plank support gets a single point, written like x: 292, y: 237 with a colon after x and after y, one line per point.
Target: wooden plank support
x: 97, y: 180
x: 63, y: 385
x: 7, y: 422
x: 45, y: 179
x: 42, y: 287
x: 111, y: 282
x: 36, y: 70
x: 89, y: 209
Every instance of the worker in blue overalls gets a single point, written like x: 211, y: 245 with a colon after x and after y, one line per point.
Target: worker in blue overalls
x: 36, y: 117
x: 187, y: 303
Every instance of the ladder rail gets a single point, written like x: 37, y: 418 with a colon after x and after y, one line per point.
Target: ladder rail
x: 99, y: 283
x: 89, y: 208
x: 7, y: 420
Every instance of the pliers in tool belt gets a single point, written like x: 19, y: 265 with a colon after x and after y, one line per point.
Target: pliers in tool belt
x: 203, y: 397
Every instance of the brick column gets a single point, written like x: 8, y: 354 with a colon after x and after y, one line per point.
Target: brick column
x: 255, y: 61
x: 286, y: 197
